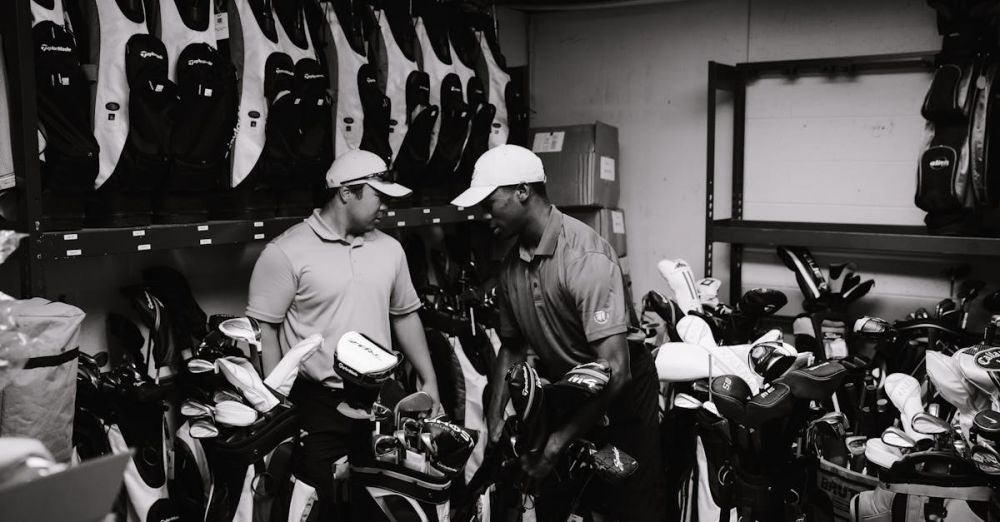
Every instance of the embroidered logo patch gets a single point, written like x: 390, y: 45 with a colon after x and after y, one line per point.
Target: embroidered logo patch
x: 601, y: 316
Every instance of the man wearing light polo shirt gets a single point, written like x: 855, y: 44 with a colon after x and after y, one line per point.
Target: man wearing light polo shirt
x: 561, y: 292
x: 331, y: 274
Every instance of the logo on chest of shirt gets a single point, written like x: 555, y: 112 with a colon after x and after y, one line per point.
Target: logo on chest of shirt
x: 601, y: 316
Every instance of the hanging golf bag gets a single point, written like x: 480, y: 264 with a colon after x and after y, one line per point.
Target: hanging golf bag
x: 133, y: 114
x: 205, y: 116
x: 466, y: 51
x: 496, y: 82
x: 412, y: 117
x: 68, y: 151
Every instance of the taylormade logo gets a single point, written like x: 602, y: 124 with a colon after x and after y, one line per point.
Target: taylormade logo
x: 312, y: 76
x: 455, y: 89
x: 60, y: 48
x: 940, y: 163
x: 149, y: 54
x: 199, y: 61
x: 285, y: 72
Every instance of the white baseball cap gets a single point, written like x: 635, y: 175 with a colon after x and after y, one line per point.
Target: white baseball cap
x: 360, y: 166
x: 501, y: 166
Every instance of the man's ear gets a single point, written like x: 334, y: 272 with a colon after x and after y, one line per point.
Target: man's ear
x: 522, y: 192
x: 345, y: 194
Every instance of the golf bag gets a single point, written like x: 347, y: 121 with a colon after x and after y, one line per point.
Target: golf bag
x: 465, y: 52
x: 134, y: 108
x: 412, y: 117
x: 205, y: 116
x: 362, y: 118
x: 68, y: 151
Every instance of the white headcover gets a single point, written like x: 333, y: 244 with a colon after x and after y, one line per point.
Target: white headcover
x: 282, y: 377
x: 946, y: 376
x: 881, y: 454
x: 240, y: 373
x: 979, y: 377
x: 681, y: 280
x: 694, y: 330
x: 904, y: 392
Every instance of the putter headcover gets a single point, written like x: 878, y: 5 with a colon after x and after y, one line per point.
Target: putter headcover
x: 452, y: 445
x: 363, y: 362
x: 282, y: 377
x: 730, y: 395
x: 584, y: 381
x: 817, y: 382
x: 613, y: 465
x: 807, y: 274
x: 761, y: 302
x: 681, y: 281
x: 771, y: 359
x: 241, y: 374
x: 774, y: 402
x: 904, y: 393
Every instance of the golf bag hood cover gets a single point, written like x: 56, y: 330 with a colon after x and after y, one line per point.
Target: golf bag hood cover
x: 614, y: 465
x: 241, y: 374
x: 730, y: 395
x: 452, y: 445
x: 816, y: 382
x: 363, y: 362
x: 525, y: 391
x: 774, y: 402
x: 587, y: 380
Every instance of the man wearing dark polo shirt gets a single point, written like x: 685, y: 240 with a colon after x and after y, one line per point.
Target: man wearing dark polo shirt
x: 561, y: 292
x: 331, y: 274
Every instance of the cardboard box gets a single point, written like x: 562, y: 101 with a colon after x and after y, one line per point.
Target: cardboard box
x: 609, y: 223
x: 581, y: 164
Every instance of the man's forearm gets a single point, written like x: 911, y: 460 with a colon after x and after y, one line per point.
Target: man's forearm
x: 511, y: 353
x: 269, y: 347
x: 409, y: 332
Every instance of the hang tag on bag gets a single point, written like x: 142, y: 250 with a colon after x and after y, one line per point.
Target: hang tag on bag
x: 221, y: 26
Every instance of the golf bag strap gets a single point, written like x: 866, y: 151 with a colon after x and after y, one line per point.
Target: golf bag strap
x: 968, y: 493
x: 48, y: 361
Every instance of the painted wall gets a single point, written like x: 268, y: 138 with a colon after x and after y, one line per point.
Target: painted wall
x: 840, y: 149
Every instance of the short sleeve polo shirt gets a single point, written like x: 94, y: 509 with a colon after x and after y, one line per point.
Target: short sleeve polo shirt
x: 564, y: 295
x: 311, y: 280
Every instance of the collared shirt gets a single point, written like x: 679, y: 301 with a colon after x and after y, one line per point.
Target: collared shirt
x: 563, y: 296
x: 311, y: 280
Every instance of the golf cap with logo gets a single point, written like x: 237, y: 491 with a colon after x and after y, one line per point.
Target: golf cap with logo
x: 501, y: 166
x: 360, y: 166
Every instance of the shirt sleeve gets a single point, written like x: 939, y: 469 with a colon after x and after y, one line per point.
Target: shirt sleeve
x: 403, y: 298
x: 272, y: 286
x: 595, y: 283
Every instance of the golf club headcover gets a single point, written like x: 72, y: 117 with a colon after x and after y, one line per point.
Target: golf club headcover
x: 232, y: 413
x: 773, y: 402
x: 203, y: 428
x: 946, y: 376
x: 241, y: 374
x: 666, y: 309
x: 761, y: 302
x: 904, y: 393
x: 527, y: 397
x: 808, y: 275
x: 282, y: 377
x: 681, y: 362
x: 869, y: 335
x: 981, y: 378
x: 771, y: 359
x: 584, y: 381
x: 452, y: 445
x: 987, y: 423
x: 362, y: 362
x: 815, y: 383
x: 695, y: 330
x: 730, y: 395
x: 881, y: 454
x: 613, y: 465
x: 708, y: 291
x: 681, y: 281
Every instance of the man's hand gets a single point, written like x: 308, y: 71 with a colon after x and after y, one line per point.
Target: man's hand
x: 539, y: 466
x: 432, y: 390
x: 494, y: 426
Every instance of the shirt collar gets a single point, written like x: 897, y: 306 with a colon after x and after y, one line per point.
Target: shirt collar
x: 327, y: 233
x: 550, y: 237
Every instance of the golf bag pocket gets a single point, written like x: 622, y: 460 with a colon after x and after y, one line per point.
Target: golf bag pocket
x: 375, y: 137
x: 947, y: 96
x: 414, y: 152
x: 941, y: 184
x: 247, y: 445
x: 314, y: 147
x: 841, y: 485
x: 903, y: 503
x: 69, y: 156
x: 715, y: 437
x: 454, y: 129
x: 204, y: 123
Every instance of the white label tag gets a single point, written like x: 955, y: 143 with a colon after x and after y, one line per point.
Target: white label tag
x: 202, y: 228
x: 69, y: 237
x: 548, y: 142
x: 258, y: 224
x: 205, y: 242
x: 607, y: 168
x: 617, y: 222
x: 138, y: 233
x: 144, y: 246
x: 221, y: 26
x: 71, y: 253
x: 258, y: 236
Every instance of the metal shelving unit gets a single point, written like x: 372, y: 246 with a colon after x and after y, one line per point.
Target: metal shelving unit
x: 738, y: 232
x: 42, y: 247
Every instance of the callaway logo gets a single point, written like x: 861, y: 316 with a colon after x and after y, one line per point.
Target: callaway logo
x: 198, y: 61
x: 989, y: 359
x: 149, y: 54
x: 940, y: 163
x: 46, y: 47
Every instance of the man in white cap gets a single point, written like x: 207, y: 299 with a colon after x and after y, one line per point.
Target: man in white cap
x: 331, y: 274
x: 561, y: 292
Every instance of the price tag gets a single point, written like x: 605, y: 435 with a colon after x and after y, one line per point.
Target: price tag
x: 401, y: 223
x: 202, y: 228
x: 221, y: 26
x: 144, y: 246
x: 72, y: 253
x: 258, y: 224
x: 138, y: 233
x: 205, y: 242
x: 436, y: 220
x: 69, y: 237
x: 258, y: 236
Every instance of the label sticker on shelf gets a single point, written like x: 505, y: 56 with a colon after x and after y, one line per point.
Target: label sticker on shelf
x: 401, y: 223
x: 617, y: 222
x: 69, y: 237
x: 607, y: 168
x: 71, y: 253
x: 206, y: 241
x: 470, y: 218
x: 390, y: 213
x: 144, y: 246
x: 138, y: 233
x: 258, y: 224
x: 436, y: 220
x: 548, y: 142
x: 202, y: 228
x: 258, y: 236
x: 427, y: 211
